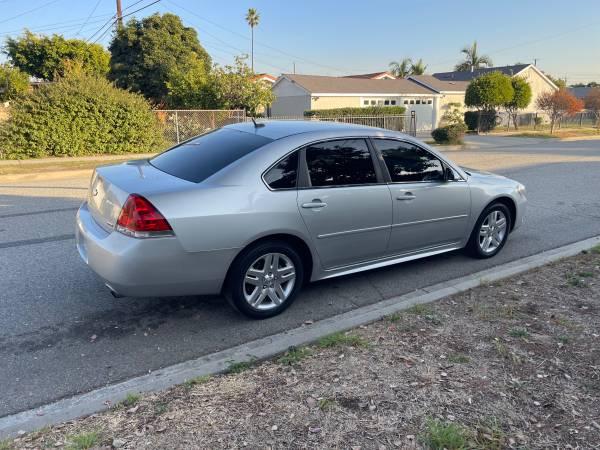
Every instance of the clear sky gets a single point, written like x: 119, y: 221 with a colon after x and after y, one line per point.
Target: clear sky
x: 353, y: 36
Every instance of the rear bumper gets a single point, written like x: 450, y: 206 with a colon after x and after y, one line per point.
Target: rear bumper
x: 149, y: 267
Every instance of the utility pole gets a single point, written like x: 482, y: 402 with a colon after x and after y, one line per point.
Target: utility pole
x: 119, y: 14
x: 294, y: 68
x: 535, y: 60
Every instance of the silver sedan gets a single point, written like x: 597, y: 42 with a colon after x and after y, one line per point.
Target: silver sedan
x: 254, y: 211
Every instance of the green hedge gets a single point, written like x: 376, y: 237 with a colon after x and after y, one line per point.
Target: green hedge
x: 79, y: 115
x: 488, y: 120
x: 450, y: 134
x: 366, y: 111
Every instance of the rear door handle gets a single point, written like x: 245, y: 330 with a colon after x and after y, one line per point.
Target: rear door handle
x: 316, y: 203
x: 407, y: 196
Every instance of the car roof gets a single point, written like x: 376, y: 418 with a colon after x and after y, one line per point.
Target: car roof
x: 277, y: 129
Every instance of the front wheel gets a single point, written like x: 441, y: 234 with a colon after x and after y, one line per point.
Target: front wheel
x: 490, y: 232
x: 265, y: 279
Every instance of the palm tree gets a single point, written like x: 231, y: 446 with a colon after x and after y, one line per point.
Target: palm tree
x: 418, y: 68
x: 252, y: 18
x: 401, y: 69
x: 472, y: 59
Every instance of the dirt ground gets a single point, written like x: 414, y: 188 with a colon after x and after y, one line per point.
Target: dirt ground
x: 515, y: 364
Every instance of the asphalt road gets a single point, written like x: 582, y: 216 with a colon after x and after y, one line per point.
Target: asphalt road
x: 61, y: 333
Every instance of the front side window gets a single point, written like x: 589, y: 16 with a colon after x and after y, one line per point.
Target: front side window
x: 283, y: 174
x: 408, y: 163
x: 340, y: 163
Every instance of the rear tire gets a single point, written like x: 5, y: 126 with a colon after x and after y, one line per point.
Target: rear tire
x: 265, y: 279
x: 490, y: 232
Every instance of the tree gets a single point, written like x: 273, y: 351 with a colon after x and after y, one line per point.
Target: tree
x: 146, y: 53
x: 234, y: 87
x: 560, y: 83
x: 13, y: 82
x: 520, y: 99
x: 489, y: 91
x: 401, y: 69
x: 185, y: 87
x: 252, y: 18
x: 473, y: 60
x: 558, y: 104
x: 418, y: 68
x: 45, y: 56
x: 592, y: 103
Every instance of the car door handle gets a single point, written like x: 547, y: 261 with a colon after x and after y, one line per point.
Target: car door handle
x: 407, y: 196
x: 316, y: 203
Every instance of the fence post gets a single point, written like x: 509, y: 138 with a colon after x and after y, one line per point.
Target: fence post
x: 177, y: 125
x: 580, y: 119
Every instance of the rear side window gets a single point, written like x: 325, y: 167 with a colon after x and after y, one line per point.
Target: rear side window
x: 408, y: 163
x: 205, y: 155
x: 340, y: 163
x: 283, y: 174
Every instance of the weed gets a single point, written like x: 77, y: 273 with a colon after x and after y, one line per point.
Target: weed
x: 326, y: 404
x: 6, y: 444
x: 563, y: 339
x: 567, y: 323
x: 339, y: 339
x: 509, y: 311
x: 239, y: 367
x: 501, y: 349
x: 82, y: 441
x: 394, y: 317
x: 490, y: 435
x: 294, y: 355
x: 433, y: 319
x: 575, y: 281
x: 160, y: 408
x: 519, y: 333
x: 449, y: 436
x: 596, y: 249
x: 419, y: 310
x: 585, y: 274
x: 458, y: 358
x: 196, y: 381
x: 130, y: 400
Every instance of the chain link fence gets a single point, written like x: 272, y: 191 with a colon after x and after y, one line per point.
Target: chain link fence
x: 500, y: 120
x: 180, y: 125
x: 405, y: 123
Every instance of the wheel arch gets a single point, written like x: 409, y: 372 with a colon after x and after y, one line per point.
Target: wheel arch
x: 510, y: 204
x: 296, y: 242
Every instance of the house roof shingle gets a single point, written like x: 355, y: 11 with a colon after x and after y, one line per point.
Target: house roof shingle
x: 580, y: 91
x: 440, y: 85
x: 342, y: 85
x: 372, y: 76
x: 468, y: 76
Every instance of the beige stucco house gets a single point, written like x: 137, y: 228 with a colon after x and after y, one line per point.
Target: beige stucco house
x: 429, y: 96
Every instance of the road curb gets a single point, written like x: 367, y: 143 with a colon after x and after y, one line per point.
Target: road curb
x: 100, y: 399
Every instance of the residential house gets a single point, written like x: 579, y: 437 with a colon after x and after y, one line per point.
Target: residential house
x: 580, y: 92
x: 298, y: 93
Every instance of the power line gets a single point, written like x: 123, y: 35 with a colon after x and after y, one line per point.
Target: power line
x: 88, y: 17
x: 124, y: 15
x: 58, y: 25
x: 29, y: 11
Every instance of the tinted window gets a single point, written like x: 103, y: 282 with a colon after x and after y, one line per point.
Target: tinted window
x: 407, y: 162
x: 338, y: 163
x: 283, y: 174
x: 205, y: 155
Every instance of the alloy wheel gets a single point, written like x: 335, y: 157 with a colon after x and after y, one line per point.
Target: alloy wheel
x: 492, y: 231
x: 269, y: 281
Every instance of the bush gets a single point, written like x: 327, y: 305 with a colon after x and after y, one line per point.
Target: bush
x: 488, y: 120
x: 13, y: 82
x: 450, y: 134
x: 80, y: 114
x: 366, y: 111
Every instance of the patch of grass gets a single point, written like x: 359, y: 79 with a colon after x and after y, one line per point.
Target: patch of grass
x: 449, y: 436
x: 82, y: 441
x: 509, y: 311
x: 394, y: 317
x: 294, y: 355
x: 563, y: 339
x: 130, y: 400
x: 6, y: 444
x: 433, y: 319
x: 196, y: 381
x: 239, y: 367
x: 419, y: 310
x: 160, y: 408
x: 326, y: 404
x: 585, y: 274
x: 575, y: 281
x: 458, y: 358
x: 484, y: 312
x: 534, y: 135
x: 567, y: 323
x: 596, y: 249
x: 519, y: 333
x: 501, y: 349
x: 340, y: 339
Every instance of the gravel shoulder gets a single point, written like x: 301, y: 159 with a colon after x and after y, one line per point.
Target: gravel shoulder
x: 513, y: 364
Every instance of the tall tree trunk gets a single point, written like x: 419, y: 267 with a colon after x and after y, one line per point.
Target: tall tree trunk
x: 252, y: 49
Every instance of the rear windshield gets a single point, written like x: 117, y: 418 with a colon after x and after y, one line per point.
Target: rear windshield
x: 201, y: 157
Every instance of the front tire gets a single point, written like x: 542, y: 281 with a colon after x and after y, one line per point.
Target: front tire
x: 490, y: 232
x: 265, y: 279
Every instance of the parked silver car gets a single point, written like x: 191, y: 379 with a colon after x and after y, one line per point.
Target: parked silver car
x: 255, y: 210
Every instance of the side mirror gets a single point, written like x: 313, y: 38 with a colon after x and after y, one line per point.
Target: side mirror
x: 448, y: 174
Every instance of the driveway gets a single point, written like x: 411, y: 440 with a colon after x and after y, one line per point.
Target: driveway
x: 61, y: 333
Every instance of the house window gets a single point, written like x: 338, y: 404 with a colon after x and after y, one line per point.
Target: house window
x: 412, y: 102
x: 386, y: 102
x: 365, y: 102
x: 406, y: 102
x: 392, y: 102
x: 373, y: 102
x: 429, y: 102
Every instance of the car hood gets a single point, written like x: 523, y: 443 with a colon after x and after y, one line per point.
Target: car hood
x: 482, y: 174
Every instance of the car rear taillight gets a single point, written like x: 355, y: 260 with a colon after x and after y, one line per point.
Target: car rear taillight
x: 139, y: 218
